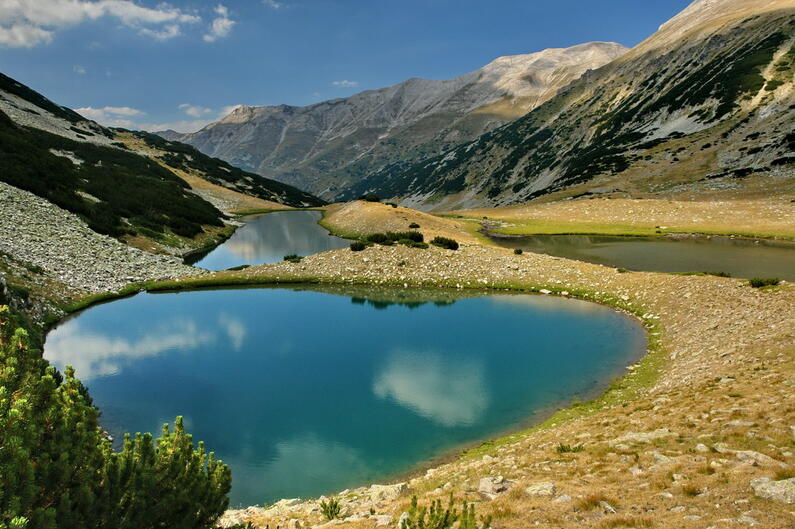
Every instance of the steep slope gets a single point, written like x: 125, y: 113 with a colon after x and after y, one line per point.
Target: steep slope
x: 83, y: 168
x: 327, y: 147
x: 708, y: 97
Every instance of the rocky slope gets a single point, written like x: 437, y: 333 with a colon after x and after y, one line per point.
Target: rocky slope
x: 60, y: 245
x: 709, y: 96
x: 327, y: 147
x: 29, y: 109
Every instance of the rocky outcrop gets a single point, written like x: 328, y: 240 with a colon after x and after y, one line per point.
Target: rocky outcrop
x: 783, y: 490
x: 327, y: 147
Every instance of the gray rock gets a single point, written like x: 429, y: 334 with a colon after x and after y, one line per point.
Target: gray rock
x: 383, y: 520
x: 782, y: 491
x: 609, y: 509
x: 491, y: 487
x: 379, y: 493
x: 645, y: 437
x: 541, y: 489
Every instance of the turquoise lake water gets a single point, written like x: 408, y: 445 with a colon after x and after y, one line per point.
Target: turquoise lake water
x: 305, y: 392
x: 268, y: 238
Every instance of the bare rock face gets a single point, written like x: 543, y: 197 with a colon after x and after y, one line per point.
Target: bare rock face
x: 326, y: 147
x: 783, y: 491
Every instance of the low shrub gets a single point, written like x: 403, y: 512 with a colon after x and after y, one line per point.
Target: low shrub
x: 331, y: 509
x: 420, y: 245
x: 518, y: 251
x: 378, y: 238
x: 446, y: 243
x: 438, y: 517
x: 358, y: 246
x: 414, y: 226
x: 569, y: 449
x: 293, y: 258
x: 759, y: 282
x: 392, y: 237
x: 370, y: 197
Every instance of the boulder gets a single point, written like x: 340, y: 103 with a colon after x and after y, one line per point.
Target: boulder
x: 383, y: 520
x: 783, y: 491
x: 545, y: 488
x: 490, y: 487
x: 379, y: 493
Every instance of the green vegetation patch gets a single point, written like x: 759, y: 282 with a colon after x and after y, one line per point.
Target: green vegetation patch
x: 115, y: 191
x: 217, y: 171
x: 60, y: 470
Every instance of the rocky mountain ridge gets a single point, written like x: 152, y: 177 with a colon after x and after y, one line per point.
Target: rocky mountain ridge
x: 329, y: 146
x: 707, y: 97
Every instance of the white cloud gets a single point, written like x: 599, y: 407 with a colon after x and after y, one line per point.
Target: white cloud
x: 23, y: 35
x: 448, y: 393
x: 27, y: 23
x: 129, y: 118
x: 345, y: 83
x: 94, y: 354
x: 79, y: 69
x: 221, y: 26
x: 194, y: 111
x: 111, y: 116
x: 273, y: 4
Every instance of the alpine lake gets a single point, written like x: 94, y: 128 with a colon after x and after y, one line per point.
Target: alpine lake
x: 308, y: 390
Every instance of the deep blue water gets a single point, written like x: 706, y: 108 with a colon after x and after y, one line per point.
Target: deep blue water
x: 305, y: 392
x: 268, y: 238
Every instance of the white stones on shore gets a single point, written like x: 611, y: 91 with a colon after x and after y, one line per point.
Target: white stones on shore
x: 645, y: 437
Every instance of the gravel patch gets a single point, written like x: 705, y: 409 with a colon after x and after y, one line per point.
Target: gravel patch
x: 45, y: 235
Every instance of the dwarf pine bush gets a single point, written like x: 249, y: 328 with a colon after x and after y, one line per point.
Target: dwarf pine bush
x: 59, y: 470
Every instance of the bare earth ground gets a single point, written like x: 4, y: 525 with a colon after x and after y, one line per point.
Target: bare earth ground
x: 765, y: 217
x: 675, y: 444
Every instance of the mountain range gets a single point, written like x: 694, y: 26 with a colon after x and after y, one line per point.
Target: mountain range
x: 707, y: 98
x: 328, y: 147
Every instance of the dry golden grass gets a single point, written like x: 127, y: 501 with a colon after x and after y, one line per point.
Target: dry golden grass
x: 358, y: 218
x: 769, y: 217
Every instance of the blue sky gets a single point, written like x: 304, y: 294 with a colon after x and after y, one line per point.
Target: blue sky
x: 153, y: 65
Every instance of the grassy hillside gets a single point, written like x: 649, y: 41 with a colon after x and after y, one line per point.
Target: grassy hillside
x: 185, y: 157
x: 117, y: 192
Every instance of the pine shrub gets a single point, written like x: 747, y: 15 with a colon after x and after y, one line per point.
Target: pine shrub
x: 358, y: 246
x: 444, y: 242
x: 59, y: 470
x: 759, y: 282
